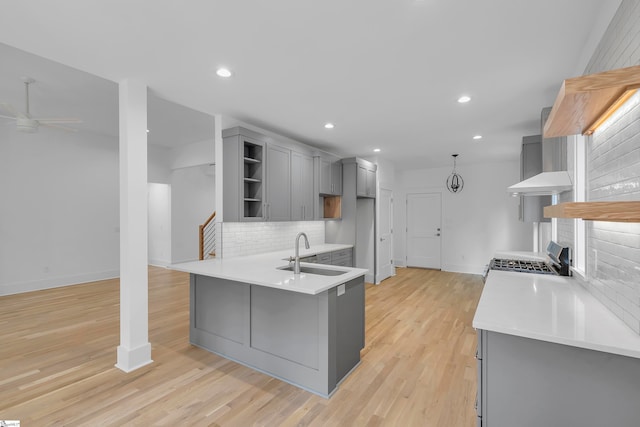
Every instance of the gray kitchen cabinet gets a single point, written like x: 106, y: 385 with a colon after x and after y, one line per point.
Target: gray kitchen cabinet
x: 341, y: 257
x: 244, y: 160
x: 532, y: 207
x: 301, y: 187
x: 278, y: 183
x: 324, y: 258
x: 329, y: 175
x: 526, y: 382
x: 366, y: 179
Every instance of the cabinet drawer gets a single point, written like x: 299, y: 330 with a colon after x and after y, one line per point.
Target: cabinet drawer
x: 341, y: 253
x: 345, y: 259
x: 324, y: 258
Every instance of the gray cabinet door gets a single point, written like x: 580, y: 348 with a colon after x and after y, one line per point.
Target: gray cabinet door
x: 330, y: 175
x: 336, y: 177
x: 301, y: 187
x: 371, y: 183
x: 365, y: 182
x: 325, y: 176
x: 361, y: 181
x: 278, y: 183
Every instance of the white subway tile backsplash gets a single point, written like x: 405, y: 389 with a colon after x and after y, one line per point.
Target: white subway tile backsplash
x: 250, y: 238
x: 613, y: 173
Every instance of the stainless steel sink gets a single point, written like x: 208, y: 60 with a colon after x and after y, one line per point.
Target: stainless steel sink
x: 314, y: 270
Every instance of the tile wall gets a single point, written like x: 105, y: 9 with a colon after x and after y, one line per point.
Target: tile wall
x: 250, y: 238
x: 613, y: 173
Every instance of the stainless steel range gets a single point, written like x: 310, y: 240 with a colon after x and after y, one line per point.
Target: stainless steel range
x: 559, y: 262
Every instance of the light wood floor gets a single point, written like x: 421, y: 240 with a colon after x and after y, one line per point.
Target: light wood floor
x: 58, y: 350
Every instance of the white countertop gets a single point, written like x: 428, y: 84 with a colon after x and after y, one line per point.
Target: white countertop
x: 554, y: 309
x: 522, y: 255
x: 263, y: 270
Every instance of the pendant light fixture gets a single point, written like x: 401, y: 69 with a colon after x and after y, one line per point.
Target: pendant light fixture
x: 455, y: 183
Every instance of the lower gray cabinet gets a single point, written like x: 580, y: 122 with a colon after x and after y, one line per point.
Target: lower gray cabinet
x: 530, y: 383
x: 342, y: 257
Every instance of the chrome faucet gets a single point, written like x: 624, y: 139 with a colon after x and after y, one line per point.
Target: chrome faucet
x: 296, y: 264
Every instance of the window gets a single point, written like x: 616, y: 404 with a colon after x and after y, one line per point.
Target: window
x: 579, y: 194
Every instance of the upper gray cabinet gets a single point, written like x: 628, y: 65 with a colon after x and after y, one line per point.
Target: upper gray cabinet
x: 531, y: 207
x: 268, y: 180
x: 365, y: 176
x: 329, y: 175
x: 366, y: 180
x: 278, y: 182
x: 301, y: 187
x: 244, y: 192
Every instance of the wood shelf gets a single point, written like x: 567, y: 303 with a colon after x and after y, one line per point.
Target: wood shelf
x: 583, y: 103
x: 332, y: 207
x: 596, y: 211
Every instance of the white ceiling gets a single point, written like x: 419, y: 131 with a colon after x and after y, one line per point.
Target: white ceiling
x: 386, y: 72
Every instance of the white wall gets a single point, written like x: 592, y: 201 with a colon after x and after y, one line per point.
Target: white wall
x: 194, y: 154
x: 192, y: 201
x: 159, y: 224
x: 59, y: 221
x: 480, y: 220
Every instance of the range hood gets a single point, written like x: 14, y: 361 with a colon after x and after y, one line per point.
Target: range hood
x: 554, y: 178
x: 543, y: 184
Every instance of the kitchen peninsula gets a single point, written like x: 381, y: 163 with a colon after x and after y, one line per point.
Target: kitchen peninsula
x: 305, y: 329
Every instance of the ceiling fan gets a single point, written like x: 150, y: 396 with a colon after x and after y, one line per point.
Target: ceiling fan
x: 28, y: 124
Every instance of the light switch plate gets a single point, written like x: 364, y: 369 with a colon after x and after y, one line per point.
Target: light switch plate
x: 341, y: 289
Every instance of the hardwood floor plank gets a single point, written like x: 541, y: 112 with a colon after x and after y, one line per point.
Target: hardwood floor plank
x: 58, y: 350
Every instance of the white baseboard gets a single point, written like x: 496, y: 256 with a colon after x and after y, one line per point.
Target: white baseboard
x: 160, y: 262
x: 57, y: 282
x: 463, y: 268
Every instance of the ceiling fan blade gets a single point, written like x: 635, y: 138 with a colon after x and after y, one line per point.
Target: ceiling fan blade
x: 7, y: 117
x: 9, y: 108
x: 55, y: 126
x: 60, y: 120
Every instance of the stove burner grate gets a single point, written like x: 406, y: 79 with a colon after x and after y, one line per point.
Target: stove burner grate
x: 523, y: 266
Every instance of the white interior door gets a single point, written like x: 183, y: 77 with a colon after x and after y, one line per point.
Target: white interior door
x: 385, y: 241
x: 424, y: 214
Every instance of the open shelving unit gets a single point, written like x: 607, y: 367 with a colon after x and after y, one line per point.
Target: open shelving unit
x: 253, y: 175
x: 626, y: 211
x: 584, y: 103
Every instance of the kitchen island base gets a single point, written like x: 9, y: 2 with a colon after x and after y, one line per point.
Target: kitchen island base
x: 310, y: 341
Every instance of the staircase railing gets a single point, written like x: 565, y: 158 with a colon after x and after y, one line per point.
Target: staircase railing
x: 207, y: 234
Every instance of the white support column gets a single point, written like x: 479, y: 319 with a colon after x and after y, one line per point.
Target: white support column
x: 134, y: 350
x: 219, y: 168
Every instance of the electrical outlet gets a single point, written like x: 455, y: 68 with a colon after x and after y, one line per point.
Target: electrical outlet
x: 341, y: 289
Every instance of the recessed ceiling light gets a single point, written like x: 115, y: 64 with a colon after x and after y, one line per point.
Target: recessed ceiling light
x: 464, y: 99
x: 329, y: 125
x: 477, y: 137
x: 376, y: 150
x: 223, y: 72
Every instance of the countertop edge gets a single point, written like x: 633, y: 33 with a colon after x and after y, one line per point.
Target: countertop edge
x: 621, y: 351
